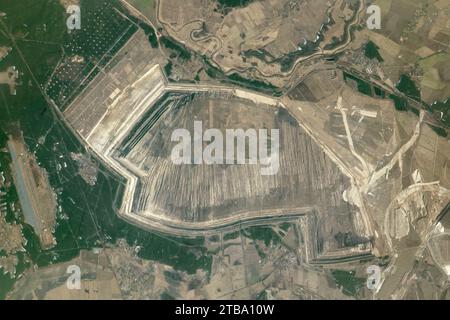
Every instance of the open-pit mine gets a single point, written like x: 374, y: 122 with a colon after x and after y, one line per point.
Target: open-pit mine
x: 128, y: 124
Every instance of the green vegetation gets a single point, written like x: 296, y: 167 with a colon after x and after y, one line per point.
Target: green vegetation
x: 166, y: 296
x: 363, y: 86
x: 99, y: 18
x: 407, y: 86
x: 439, y: 131
x: 265, y: 234
x: 401, y: 104
x: 212, y: 71
x: 287, y: 61
x: 168, y: 69
x: 172, y: 276
x: 260, y: 251
x: 371, y: 51
x: 414, y: 110
x: 234, y: 3
x: 379, y: 92
x: 231, y: 236
x: 182, y: 51
x: 255, y: 53
x: 285, y: 226
x: 252, y: 83
x: 348, y: 282
x: 153, y: 40
x: 261, y: 295
x: 148, y: 30
x: 235, y: 78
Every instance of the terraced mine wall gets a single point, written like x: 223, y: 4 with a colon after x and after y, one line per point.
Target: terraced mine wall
x: 128, y: 125
x: 202, y: 197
